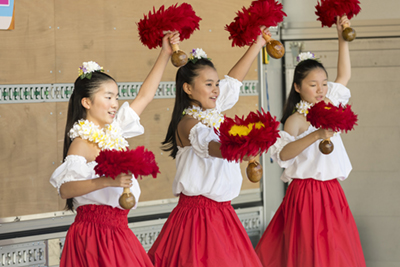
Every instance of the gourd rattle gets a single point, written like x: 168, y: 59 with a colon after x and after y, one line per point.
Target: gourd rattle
x: 327, y: 116
x: 254, y: 171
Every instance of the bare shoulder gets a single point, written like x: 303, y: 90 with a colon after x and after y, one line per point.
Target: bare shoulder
x: 184, y: 128
x: 296, y: 124
x: 186, y: 124
x: 84, y: 148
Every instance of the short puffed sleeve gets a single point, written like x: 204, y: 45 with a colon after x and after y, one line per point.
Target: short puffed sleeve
x: 74, y: 168
x: 338, y: 93
x: 229, y: 89
x: 278, y: 146
x: 129, y: 121
x: 200, y: 136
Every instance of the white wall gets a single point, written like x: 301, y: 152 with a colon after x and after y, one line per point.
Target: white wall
x: 372, y: 188
x: 304, y: 10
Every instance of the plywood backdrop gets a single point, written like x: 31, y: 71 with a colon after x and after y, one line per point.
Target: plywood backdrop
x: 50, y: 41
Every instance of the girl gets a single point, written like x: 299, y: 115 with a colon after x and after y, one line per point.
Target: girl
x: 100, y: 235
x: 204, y: 230
x: 314, y: 225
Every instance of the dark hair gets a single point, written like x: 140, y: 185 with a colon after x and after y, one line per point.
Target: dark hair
x: 82, y: 88
x: 300, y: 73
x: 185, y: 74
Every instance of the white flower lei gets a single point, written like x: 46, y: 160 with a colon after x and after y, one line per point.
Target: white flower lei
x: 303, y: 106
x: 108, y: 138
x: 209, y: 117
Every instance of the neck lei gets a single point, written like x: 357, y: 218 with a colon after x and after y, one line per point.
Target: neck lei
x: 109, y: 137
x: 209, y: 117
x: 302, y: 107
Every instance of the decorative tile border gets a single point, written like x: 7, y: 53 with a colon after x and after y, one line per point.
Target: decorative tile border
x: 38, y: 93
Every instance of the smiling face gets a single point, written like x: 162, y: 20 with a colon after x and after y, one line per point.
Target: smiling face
x: 314, y: 86
x: 102, y: 107
x: 204, y: 88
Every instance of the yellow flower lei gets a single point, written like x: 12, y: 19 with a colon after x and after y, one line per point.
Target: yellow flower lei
x: 108, y: 138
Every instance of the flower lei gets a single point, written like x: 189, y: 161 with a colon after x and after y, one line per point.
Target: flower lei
x: 87, y: 69
x: 303, y: 106
x: 108, y: 138
x: 209, y: 117
x: 196, y: 54
x: 306, y: 55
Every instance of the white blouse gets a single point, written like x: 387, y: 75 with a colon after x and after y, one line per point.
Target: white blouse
x: 198, y: 173
x: 76, y: 168
x: 311, y: 163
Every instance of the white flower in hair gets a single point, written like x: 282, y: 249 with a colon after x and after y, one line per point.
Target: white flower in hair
x: 87, y: 68
x: 304, y: 56
x: 196, y: 54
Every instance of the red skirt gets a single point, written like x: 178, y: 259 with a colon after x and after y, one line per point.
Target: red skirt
x: 313, y: 227
x: 203, y: 232
x: 100, y: 236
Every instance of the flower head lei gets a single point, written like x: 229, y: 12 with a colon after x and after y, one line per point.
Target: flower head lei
x: 87, y: 69
x: 306, y: 55
x: 209, y: 117
x: 302, y: 107
x: 196, y: 54
x: 109, y: 137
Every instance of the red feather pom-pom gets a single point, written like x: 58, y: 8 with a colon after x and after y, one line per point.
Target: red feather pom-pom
x: 140, y: 162
x: 175, y: 18
x: 241, y: 33
x: 246, y: 25
x: 251, y: 136
x: 267, y: 12
x: 328, y: 10
x: 328, y: 116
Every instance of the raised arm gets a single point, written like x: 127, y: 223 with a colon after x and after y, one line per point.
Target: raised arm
x: 240, y: 69
x: 150, y: 84
x: 344, y: 65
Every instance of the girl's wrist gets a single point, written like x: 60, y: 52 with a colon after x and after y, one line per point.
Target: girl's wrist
x: 164, y: 52
x: 258, y: 44
x: 317, y: 135
x: 104, y: 182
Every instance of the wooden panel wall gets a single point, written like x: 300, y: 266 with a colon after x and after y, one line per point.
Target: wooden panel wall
x: 27, y: 53
x: 28, y: 154
x: 32, y: 137
x: 52, y: 38
x: 50, y: 41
